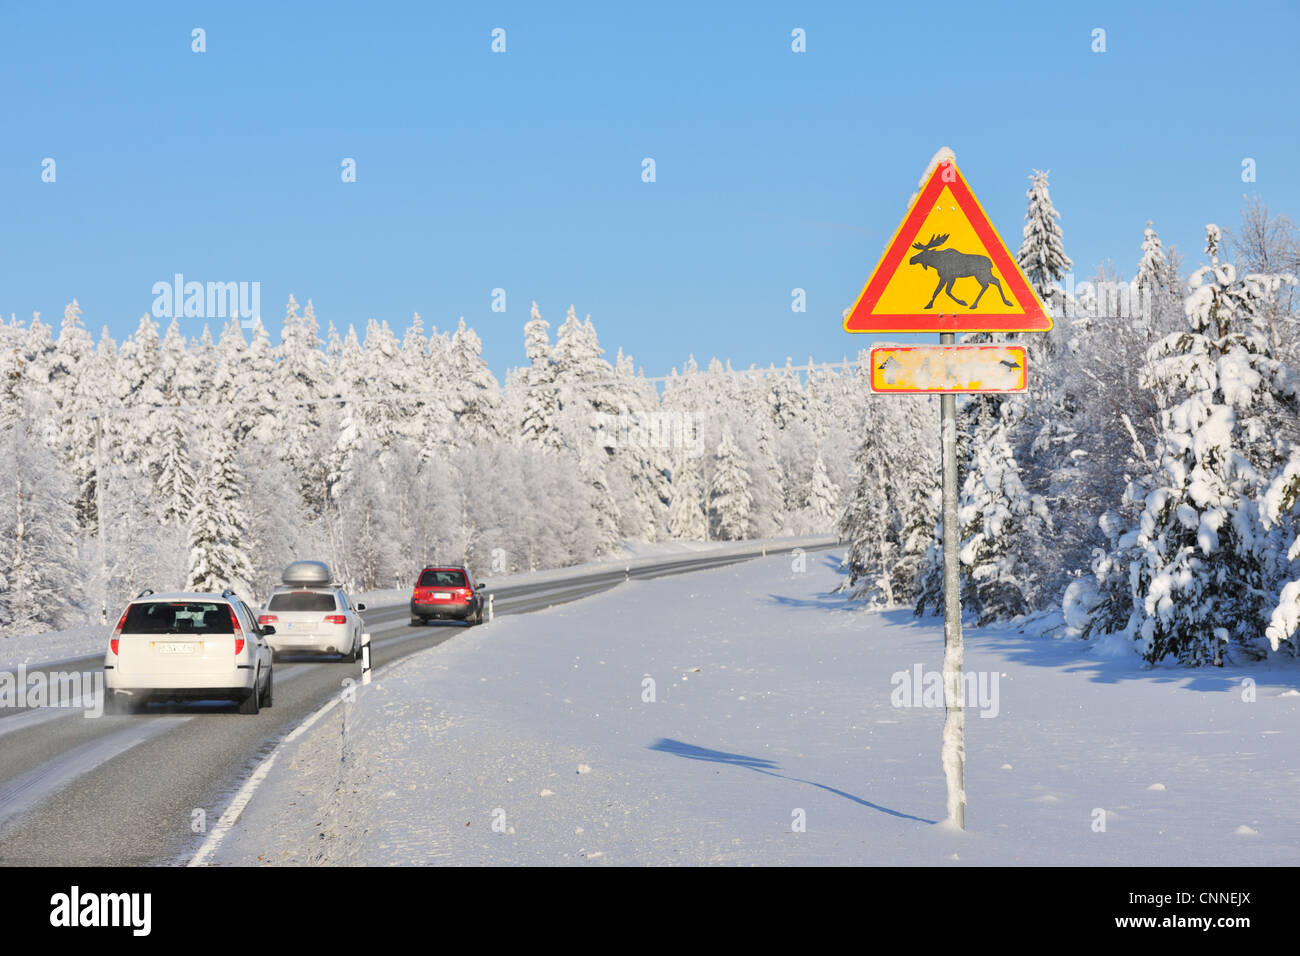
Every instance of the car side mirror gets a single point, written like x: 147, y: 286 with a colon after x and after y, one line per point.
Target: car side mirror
x: 268, y: 630
x: 361, y: 607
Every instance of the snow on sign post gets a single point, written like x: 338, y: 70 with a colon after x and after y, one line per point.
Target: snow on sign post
x: 946, y: 270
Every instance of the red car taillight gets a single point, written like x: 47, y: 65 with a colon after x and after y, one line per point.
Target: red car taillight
x: 267, y: 618
x: 239, y: 631
x: 112, y: 644
x: 335, y: 619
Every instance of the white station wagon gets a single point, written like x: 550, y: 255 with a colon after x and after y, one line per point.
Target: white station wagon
x: 187, y: 646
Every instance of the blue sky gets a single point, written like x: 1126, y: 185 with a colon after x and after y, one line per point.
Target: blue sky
x: 522, y: 170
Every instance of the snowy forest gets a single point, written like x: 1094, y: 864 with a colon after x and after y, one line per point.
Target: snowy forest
x: 1146, y: 489
x: 166, y: 462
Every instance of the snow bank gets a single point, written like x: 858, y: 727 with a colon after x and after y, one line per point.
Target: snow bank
x: 744, y: 715
x: 53, y: 646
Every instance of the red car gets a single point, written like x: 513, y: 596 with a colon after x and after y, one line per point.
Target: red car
x: 449, y: 592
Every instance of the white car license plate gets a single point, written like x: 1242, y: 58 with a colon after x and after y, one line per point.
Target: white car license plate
x: 442, y: 595
x: 175, y: 647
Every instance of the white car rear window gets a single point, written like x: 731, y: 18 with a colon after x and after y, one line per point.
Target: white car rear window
x: 175, y: 617
x: 291, y: 601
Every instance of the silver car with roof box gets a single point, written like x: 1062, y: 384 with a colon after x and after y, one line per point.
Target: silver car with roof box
x: 311, y: 614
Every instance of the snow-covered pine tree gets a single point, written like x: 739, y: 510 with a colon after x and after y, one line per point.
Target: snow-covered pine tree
x: 171, y: 366
x: 918, y: 527
x: 175, y: 482
x: 258, y: 388
x: 475, y: 393
x: 1202, y: 576
x: 1042, y: 255
x: 377, y: 377
x: 217, y: 529
x: 756, y: 442
x: 786, y: 402
x: 891, y: 514
x: 12, y: 374
x: 1098, y: 492
x: 588, y: 422
x: 869, y: 523
x: 731, y: 505
x: 1270, y: 245
x: 1044, y: 436
x: 37, y: 533
x: 823, y: 497
x: 405, y: 394
x: 276, y: 529
x: 365, y: 522
x: 999, y: 518
x: 39, y: 358
x: 1157, y: 282
x: 142, y: 552
x: 541, y: 403
x: 1281, y: 514
x: 79, y: 392
x: 301, y: 383
x: 604, y: 507
x: 687, y: 518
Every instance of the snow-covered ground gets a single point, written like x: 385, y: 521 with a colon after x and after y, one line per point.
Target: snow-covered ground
x: 53, y: 646
x: 533, y: 740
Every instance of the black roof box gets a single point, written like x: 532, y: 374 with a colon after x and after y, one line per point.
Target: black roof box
x: 314, y: 573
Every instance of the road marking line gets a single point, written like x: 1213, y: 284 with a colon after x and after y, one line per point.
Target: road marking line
x: 245, y: 794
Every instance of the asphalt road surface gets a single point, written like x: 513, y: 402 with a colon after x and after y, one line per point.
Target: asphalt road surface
x: 128, y: 790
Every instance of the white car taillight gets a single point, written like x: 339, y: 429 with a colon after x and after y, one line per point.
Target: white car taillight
x: 239, y: 631
x: 117, y: 632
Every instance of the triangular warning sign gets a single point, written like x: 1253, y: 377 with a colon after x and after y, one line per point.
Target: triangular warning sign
x: 946, y: 270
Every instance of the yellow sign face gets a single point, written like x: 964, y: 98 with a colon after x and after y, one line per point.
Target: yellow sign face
x: 946, y: 270
x: 949, y: 368
x: 951, y: 272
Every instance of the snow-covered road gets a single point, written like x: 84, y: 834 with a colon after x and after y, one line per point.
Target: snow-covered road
x: 746, y: 716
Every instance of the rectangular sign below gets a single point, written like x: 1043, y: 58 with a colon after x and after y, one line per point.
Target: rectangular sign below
x: 949, y: 368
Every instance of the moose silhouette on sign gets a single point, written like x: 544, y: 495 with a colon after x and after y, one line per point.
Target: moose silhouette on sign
x: 953, y: 265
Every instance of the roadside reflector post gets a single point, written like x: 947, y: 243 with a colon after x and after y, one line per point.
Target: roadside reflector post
x: 953, y: 752
x: 627, y: 574
x: 490, y: 611
x: 365, y: 658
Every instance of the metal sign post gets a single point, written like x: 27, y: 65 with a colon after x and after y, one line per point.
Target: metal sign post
x: 947, y: 237
x: 953, y: 752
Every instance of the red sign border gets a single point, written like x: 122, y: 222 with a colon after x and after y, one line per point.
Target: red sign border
x: 862, y: 319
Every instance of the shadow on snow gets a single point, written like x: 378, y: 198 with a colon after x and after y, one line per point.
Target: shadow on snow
x: 767, y: 768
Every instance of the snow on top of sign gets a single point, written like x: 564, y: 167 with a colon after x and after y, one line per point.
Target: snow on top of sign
x: 944, y: 155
